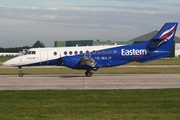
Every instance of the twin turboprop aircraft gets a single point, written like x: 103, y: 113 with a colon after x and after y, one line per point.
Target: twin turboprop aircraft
x: 91, y: 58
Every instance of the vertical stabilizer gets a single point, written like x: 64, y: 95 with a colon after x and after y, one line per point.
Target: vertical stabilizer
x: 163, y: 40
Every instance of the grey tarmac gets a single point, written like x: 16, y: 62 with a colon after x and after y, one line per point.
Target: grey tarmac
x: 97, y: 81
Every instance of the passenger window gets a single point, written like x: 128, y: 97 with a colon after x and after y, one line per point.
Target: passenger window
x: 99, y: 52
x: 81, y: 52
x: 65, y: 53
x: 109, y: 51
x: 75, y: 52
x: 55, y: 53
x: 114, y: 51
x: 104, y: 51
x: 87, y: 52
x: 70, y: 52
x: 93, y: 52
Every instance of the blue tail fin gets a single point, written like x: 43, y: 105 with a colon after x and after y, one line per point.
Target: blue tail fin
x: 163, y: 40
x: 161, y: 44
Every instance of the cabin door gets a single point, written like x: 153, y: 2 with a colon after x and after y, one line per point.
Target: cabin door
x: 44, y: 58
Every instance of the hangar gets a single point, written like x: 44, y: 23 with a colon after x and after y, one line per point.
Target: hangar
x: 73, y: 43
x: 69, y: 43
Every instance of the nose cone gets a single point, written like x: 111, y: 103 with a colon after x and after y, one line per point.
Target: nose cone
x: 10, y: 63
x: 4, y: 64
x: 7, y: 63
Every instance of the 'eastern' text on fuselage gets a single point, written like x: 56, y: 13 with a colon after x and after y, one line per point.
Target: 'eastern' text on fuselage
x: 131, y: 52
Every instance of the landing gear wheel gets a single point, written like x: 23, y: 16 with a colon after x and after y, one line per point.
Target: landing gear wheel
x: 21, y: 74
x: 88, y: 73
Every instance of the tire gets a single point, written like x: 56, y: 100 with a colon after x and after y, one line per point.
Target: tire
x: 21, y: 74
x: 88, y: 73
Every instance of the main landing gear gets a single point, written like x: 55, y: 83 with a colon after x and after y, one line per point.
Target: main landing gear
x: 20, y: 72
x: 88, y: 73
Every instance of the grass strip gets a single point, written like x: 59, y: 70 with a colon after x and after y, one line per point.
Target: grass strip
x: 162, y: 104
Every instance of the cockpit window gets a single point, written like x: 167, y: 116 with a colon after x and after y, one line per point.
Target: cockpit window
x: 34, y: 52
x: 30, y: 53
x: 27, y: 52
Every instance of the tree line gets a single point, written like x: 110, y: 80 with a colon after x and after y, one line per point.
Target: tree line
x: 37, y: 44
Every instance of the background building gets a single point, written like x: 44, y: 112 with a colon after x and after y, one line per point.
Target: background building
x: 73, y: 43
x: 89, y: 43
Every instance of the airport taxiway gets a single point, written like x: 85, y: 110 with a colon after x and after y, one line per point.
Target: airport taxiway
x: 97, y: 81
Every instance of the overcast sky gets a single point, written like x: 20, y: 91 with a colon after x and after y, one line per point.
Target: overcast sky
x: 23, y: 22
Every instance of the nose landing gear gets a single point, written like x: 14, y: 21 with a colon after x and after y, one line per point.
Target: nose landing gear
x: 20, y: 72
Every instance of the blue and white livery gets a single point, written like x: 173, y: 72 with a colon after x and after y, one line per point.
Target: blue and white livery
x: 91, y: 58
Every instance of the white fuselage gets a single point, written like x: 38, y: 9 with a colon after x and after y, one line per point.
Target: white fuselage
x: 42, y: 56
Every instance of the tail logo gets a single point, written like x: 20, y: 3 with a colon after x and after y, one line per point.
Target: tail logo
x: 166, y: 35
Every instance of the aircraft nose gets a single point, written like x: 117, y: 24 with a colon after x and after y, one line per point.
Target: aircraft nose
x: 6, y: 63
x: 14, y: 62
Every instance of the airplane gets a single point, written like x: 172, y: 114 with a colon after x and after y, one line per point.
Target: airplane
x: 91, y: 58
x: 8, y: 54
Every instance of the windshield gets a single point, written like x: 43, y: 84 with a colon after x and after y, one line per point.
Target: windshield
x: 28, y: 52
